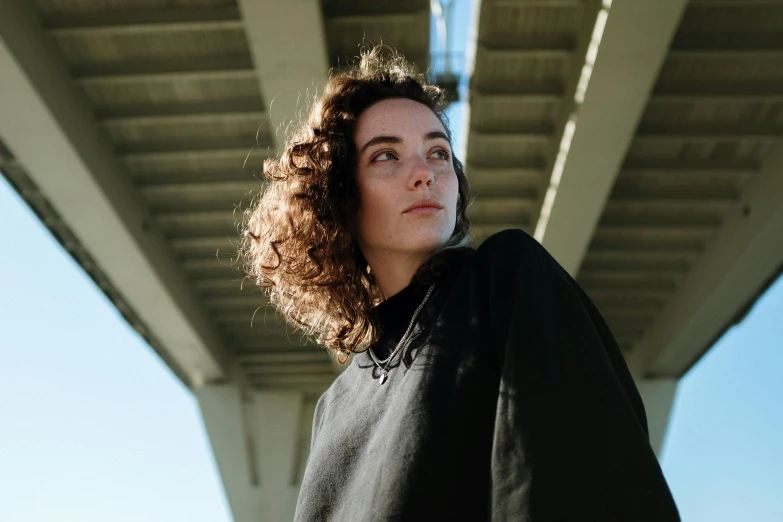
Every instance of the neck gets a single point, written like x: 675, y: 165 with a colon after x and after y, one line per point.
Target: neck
x: 394, y: 271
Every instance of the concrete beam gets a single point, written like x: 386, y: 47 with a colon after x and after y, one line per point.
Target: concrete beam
x: 734, y: 3
x: 145, y: 113
x: 221, y: 67
x: 526, y: 53
x: 635, y: 41
x: 146, y: 21
x: 658, y: 397
x: 48, y: 125
x: 184, y: 119
x: 261, y: 443
x: 286, y: 79
x: 736, y: 265
x: 539, y: 3
x: 236, y: 153
x: 718, y: 98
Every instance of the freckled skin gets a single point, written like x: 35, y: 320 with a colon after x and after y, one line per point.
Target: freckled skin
x: 392, y: 176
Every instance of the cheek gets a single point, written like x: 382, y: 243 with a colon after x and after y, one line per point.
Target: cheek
x: 452, y: 196
x: 373, y: 209
x: 452, y: 189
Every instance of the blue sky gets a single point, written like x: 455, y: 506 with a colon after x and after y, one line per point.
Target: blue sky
x: 93, y: 427
x: 723, y: 456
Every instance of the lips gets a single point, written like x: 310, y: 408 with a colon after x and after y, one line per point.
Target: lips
x: 424, y: 203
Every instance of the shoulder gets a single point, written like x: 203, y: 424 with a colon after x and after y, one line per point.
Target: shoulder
x: 510, y: 250
x: 514, y: 257
x: 343, y: 386
x: 325, y: 407
x: 514, y: 239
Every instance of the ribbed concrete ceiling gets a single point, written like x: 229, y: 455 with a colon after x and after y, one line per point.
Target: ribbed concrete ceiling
x: 528, y: 57
x: 177, y: 90
x: 175, y: 87
x: 714, y: 115
x: 404, y: 24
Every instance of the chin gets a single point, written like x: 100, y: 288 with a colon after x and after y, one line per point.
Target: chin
x: 429, y: 240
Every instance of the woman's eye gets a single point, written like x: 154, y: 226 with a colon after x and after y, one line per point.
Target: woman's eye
x: 444, y: 154
x: 384, y: 156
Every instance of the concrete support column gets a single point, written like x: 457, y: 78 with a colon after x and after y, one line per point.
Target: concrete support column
x: 278, y: 418
x: 260, y: 442
x: 222, y: 411
x: 658, y: 396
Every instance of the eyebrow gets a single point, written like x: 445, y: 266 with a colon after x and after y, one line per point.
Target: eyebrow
x: 432, y: 135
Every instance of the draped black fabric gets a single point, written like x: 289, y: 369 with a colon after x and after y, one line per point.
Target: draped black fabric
x: 512, y: 402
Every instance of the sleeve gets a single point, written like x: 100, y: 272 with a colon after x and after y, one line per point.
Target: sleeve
x: 571, y: 439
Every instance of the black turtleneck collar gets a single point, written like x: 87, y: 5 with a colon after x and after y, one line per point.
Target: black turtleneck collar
x: 402, y: 304
x: 398, y: 309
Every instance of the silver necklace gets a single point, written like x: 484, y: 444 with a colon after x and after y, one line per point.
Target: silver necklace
x: 384, y: 363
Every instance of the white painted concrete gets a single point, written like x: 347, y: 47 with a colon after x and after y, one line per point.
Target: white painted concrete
x: 224, y: 419
x: 260, y: 444
x: 658, y: 397
x: 635, y: 41
x: 740, y: 259
x: 48, y: 125
x: 288, y: 46
x: 278, y: 416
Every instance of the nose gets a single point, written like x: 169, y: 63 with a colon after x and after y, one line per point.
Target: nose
x: 421, y: 173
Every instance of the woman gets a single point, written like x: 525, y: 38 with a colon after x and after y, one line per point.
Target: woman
x: 484, y: 383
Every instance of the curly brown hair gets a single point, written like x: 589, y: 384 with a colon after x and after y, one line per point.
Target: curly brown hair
x: 298, y: 239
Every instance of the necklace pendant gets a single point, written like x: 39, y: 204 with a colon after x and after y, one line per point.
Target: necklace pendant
x: 384, y: 376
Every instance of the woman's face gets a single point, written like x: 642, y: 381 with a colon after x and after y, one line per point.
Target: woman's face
x: 403, y: 156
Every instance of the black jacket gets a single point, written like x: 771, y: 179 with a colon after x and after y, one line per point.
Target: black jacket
x: 512, y: 402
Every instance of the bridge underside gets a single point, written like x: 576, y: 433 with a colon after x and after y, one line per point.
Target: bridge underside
x: 640, y: 142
